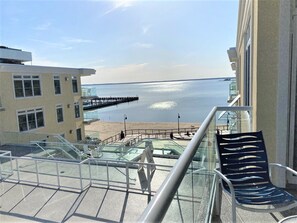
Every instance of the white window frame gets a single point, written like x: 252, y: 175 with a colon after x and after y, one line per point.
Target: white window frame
x: 77, y: 108
x: 24, y: 78
x: 247, y: 75
x: 74, y: 80
x: 27, y: 112
x: 77, y: 138
x: 57, y: 78
x: 60, y: 107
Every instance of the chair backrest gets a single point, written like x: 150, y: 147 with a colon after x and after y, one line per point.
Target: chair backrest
x: 243, y: 158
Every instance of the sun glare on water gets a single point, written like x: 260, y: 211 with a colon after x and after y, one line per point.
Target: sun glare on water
x: 165, y: 105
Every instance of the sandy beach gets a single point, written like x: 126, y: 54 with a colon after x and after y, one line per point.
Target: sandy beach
x: 108, y: 129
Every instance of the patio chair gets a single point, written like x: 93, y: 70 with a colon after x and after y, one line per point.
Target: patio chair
x: 245, y: 174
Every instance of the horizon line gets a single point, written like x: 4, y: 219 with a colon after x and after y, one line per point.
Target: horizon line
x: 157, y: 81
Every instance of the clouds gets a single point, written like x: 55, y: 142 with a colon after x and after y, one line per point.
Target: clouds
x: 123, y: 73
x: 64, y: 43
x: 125, y: 40
x: 119, y: 5
x: 142, y: 72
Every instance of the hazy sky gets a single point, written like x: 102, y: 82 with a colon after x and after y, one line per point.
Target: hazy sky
x: 124, y: 40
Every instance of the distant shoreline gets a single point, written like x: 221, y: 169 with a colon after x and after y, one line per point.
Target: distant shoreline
x: 146, y: 82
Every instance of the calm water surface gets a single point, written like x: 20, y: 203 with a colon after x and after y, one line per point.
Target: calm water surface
x: 162, y: 101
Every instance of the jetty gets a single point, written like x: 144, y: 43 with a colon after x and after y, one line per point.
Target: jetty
x: 95, y: 102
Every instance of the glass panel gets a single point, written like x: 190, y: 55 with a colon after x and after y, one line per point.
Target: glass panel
x: 40, y: 121
x: 6, y: 164
x: 27, y: 170
x: 36, y: 87
x: 78, y: 134
x: 117, y: 175
x: 31, y: 121
x: 74, y: 86
x: 194, y: 193
x: 57, y: 87
x: 28, y: 88
x: 47, y: 173
x: 18, y: 88
x: 99, y: 172
x: 76, y: 110
x: 85, y: 172
x: 59, y: 114
x: 69, y: 175
x: 22, y: 123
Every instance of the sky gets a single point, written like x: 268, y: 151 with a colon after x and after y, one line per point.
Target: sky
x: 124, y: 40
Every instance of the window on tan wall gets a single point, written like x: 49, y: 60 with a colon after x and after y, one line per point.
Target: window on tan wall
x: 78, y: 134
x: 247, y: 76
x: 59, y: 110
x: 30, y: 119
x: 76, y: 110
x: 26, y: 86
x: 74, y: 85
x: 57, y: 84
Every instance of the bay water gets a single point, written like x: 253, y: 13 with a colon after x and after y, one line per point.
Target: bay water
x: 162, y: 101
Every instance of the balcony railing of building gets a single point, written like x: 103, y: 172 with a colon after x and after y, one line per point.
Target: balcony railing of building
x: 40, y: 141
x: 187, y: 191
x: 233, y: 92
x: 149, y: 133
x: 193, y: 176
x: 77, y: 176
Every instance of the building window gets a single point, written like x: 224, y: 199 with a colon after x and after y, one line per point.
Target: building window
x: 59, y: 110
x: 26, y: 86
x: 247, y: 76
x: 76, y: 110
x: 78, y: 134
x: 74, y: 85
x: 57, y: 84
x: 247, y: 73
x: 30, y: 119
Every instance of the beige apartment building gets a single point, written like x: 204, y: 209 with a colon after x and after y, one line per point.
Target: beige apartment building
x: 265, y: 64
x: 40, y: 99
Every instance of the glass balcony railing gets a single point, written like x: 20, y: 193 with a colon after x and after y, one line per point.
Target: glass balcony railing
x: 88, y: 91
x: 182, y: 190
x: 187, y: 194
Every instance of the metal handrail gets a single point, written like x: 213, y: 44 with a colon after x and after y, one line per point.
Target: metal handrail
x: 154, y: 132
x: 107, y: 163
x: 157, y: 208
x: 39, y: 146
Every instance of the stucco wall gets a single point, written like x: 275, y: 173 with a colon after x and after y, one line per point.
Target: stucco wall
x: 48, y: 101
x: 267, y: 71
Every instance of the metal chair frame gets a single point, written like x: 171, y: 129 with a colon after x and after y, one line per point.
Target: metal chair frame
x: 229, y: 180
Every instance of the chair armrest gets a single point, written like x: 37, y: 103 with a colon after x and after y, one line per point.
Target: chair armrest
x: 284, y: 167
x: 223, y: 177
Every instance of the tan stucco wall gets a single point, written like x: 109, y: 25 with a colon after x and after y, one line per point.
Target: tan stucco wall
x: 263, y: 16
x: 267, y: 71
x: 48, y: 101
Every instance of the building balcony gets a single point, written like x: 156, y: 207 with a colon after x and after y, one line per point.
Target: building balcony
x: 151, y: 189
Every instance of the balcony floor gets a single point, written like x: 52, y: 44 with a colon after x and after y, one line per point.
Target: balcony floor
x: 27, y: 203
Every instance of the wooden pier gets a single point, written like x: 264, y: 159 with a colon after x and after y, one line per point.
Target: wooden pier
x: 95, y: 102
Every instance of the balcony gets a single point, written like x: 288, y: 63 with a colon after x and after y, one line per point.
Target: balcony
x: 150, y: 190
